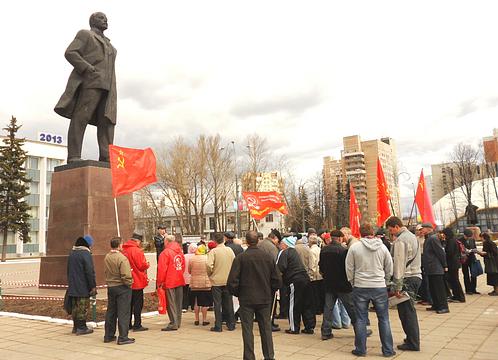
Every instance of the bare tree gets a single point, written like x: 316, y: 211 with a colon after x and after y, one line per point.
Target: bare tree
x: 465, y: 159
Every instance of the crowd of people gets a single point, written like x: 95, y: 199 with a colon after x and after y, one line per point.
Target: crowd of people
x: 289, y: 276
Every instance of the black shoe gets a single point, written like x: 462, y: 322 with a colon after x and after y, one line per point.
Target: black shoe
x: 389, y: 355
x: 469, y: 292
x: 111, y: 339
x: 450, y: 300
x: 327, y: 337
x: 141, y: 328
x: 442, y: 311
x: 476, y: 292
x: 205, y: 323
x: 167, y: 328
x: 369, y: 332
x: 289, y: 331
x: 126, y: 341
x: 275, y: 328
x: 215, y: 329
x: 357, y: 353
x: 196, y: 323
x: 308, y: 331
x: 84, y: 331
x: 231, y: 328
x: 430, y: 309
x: 406, y: 347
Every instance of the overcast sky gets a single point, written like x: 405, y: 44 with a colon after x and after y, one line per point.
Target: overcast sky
x: 301, y: 73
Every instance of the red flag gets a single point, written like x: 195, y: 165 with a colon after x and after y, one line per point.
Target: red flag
x: 131, y: 169
x: 354, y: 213
x: 261, y: 204
x: 423, y: 201
x: 383, y: 211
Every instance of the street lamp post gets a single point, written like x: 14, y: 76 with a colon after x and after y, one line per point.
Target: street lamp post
x: 237, y: 211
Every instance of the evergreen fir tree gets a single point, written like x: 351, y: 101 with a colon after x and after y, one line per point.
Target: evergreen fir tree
x: 13, y: 187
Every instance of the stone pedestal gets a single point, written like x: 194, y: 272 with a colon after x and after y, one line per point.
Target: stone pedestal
x: 81, y: 203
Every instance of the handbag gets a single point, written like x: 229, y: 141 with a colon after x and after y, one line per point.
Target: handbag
x: 162, y: 301
x: 491, y: 264
x: 476, y: 268
x: 68, y: 304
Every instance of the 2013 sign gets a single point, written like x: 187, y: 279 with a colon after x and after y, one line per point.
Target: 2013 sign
x: 50, y: 138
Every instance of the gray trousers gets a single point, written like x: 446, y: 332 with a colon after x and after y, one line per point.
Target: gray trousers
x: 328, y: 308
x: 263, y: 317
x: 90, y: 102
x: 118, y: 310
x: 175, y: 299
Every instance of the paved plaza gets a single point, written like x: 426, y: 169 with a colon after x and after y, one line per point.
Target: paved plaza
x: 470, y: 331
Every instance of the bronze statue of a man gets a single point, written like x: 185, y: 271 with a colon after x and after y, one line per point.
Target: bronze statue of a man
x: 90, y: 95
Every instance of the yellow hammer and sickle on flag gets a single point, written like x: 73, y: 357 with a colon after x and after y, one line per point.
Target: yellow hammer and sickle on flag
x: 421, y: 185
x: 121, y: 160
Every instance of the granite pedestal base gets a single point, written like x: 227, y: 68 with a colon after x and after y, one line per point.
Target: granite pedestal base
x: 81, y: 203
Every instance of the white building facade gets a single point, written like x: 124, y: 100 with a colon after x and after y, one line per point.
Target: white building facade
x: 42, y: 158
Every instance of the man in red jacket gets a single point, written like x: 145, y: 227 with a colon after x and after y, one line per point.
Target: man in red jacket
x: 139, y: 266
x: 170, y: 277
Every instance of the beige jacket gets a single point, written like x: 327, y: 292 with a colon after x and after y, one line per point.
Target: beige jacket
x: 219, y: 263
x: 117, y: 269
x: 314, y: 259
x: 199, y: 279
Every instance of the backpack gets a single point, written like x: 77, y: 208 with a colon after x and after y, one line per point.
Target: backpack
x: 462, y: 256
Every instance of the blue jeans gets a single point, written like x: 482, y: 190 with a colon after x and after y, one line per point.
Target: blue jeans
x: 361, y: 299
x: 340, y: 316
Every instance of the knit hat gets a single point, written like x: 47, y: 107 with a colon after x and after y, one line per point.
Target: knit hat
x: 192, y: 248
x: 229, y: 235
x: 427, y: 225
x: 212, y: 245
x: 290, y: 241
x: 89, y: 240
x: 311, y: 231
x: 201, y: 250
x: 468, y: 233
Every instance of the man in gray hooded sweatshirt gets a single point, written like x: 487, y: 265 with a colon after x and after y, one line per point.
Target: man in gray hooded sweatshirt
x: 368, y: 266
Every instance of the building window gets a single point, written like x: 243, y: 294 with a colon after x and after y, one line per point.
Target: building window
x: 34, y: 187
x: 52, y: 163
x: 211, y: 223
x: 269, y: 218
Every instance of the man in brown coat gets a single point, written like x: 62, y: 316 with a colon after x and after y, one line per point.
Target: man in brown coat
x: 90, y: 95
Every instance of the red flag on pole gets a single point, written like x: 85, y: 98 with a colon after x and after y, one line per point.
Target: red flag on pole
x: 383, y: 211
x: 261, y: 204
x: 131, y: 169
x: 354, y: 213
x: 423, y: 201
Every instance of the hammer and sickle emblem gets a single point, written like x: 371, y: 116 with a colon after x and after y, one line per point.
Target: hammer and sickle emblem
x: 121, y: 160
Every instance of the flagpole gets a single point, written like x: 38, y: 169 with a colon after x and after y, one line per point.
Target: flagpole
x: 117, y: 217
x: 255, y: 225
x: 411, y: 213
x: 392, y: 207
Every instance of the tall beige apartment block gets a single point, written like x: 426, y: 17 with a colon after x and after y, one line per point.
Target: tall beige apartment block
x: 358, y: 164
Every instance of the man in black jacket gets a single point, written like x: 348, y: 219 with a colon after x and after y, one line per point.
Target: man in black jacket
x: 296, y: 277
x: 453, y: 261
x: 253, y: 278
x: 236, y: 248
x: 159, y: 240
x: 336, y: 284
x: 435, y: 267
x: 470, y: 281
x: 81, y: 283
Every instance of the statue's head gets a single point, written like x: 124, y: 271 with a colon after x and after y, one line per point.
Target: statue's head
x: 98, y: 20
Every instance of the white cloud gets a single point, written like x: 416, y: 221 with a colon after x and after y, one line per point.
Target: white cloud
x: 303, y: 74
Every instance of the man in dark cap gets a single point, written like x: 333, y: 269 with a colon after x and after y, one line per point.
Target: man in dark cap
x: 139, y: 265
x: 336, y: 284
x: 470, y: 281
x: 435, y: 266
x: 159, y: 240
x: 236, y: 248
